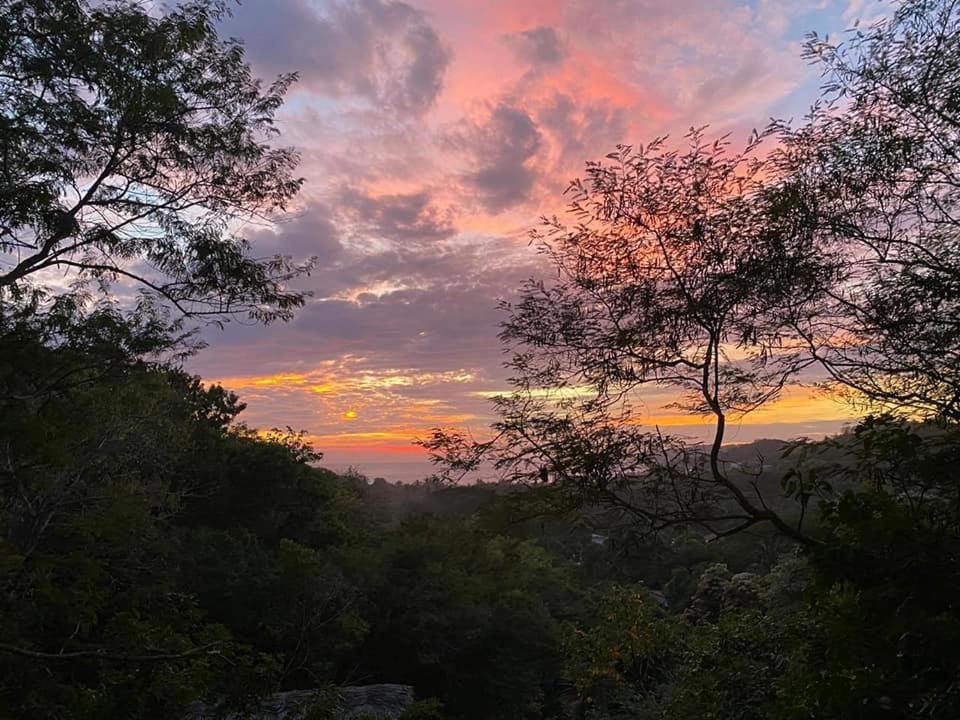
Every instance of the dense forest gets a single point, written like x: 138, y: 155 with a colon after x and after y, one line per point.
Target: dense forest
x: 156, y: 552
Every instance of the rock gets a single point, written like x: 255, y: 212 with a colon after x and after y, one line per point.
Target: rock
x: 383, y: 702
x: 378, y: 701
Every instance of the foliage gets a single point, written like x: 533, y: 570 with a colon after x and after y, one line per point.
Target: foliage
x: 882, y: 630
x: 680, y: 272
x: 628, y: 644
x: 431, y: 709
x: 154, y: 550
x: 863, y: 625
x: 873, y: 175
x: 466, y: 617
x: 94, y: 619
x: 135, y: 147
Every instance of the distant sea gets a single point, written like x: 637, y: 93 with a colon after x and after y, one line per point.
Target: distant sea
x: 405, y: 471
x: 409, y: 469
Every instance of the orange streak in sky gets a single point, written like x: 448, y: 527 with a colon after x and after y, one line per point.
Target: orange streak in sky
x: 796, y: 405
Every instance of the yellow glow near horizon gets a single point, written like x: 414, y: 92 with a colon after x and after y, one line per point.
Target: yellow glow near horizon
x: 795, y: 405
x: 388, y: 408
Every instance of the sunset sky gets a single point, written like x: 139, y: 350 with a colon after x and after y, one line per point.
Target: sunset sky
x: 434, y: 133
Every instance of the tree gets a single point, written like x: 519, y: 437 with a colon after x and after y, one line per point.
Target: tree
x: 91, y: 474
x: 153, y: 551
x: 135, y: 147
x: 680, y: 272
x: 464, y: 616
x: 878, y: 634
x: 875, y: 171
x: 724, y: 277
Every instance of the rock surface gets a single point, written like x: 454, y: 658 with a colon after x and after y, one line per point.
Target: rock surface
x: 384, y: 702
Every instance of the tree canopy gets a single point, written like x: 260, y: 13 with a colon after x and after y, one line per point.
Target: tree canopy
x: 874, y: 174
x: 136, y: 148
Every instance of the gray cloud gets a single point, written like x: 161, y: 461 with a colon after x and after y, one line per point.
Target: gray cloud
x: 384, y: 50
x: 442, y: 315
x: 582, y: 132
x: 449, y: 321
x: 407, y: 217
x: 502, y: 146
x: 309, y: 233
x: 539, y: 46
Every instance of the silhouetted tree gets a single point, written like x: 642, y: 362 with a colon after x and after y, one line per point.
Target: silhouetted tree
x: 876, y: 172
x: 724, y: 277
x: 680, y: 273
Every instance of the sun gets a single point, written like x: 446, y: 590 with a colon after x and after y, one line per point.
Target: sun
x: 350, y: 415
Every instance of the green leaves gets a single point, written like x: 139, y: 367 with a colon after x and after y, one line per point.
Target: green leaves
x: 130, y: 135
x: 116, y: 472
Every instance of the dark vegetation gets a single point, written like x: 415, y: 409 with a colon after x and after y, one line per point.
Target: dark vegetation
x: 155, y: 551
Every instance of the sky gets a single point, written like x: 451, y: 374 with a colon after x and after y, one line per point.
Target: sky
x: 433, y: 135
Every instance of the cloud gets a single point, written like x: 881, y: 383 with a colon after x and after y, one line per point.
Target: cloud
x: 382, y: 50
x: 308, y: 233
x: 703, y: 60
x: 410, y: 217
x: 426, y: 307
x: 539, y: 46
x: 581, y: 131
x: 423, y: 171
x: 864, y: 12
x: 502, y: 146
